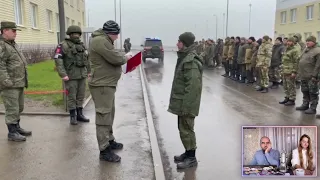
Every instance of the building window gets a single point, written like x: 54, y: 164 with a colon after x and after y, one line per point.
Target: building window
x: 293, y: 13
x: 18, y: 12
x: 58, y: 22
x: 310, y: 12
x: 34, y: 15
x: 49, y: 19
x: 67, y: 22
x: 307, y: 34
x: 72, y: 22
x: 283, y: 17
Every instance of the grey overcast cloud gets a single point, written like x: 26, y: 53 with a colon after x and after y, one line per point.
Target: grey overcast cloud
x: 167, y: 19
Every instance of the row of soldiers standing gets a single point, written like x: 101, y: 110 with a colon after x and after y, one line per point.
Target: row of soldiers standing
x: 289, y: 61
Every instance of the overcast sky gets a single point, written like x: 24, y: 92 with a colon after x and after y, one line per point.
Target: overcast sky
x: 167, y: 19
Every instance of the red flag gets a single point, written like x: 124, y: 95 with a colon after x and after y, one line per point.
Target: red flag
x: 132, y: 63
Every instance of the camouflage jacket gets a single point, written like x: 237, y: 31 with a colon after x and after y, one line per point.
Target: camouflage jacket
x: 13, y: 66
x: 309, y: 64
x: 231, y: 51
x: 72, y: 60
x: 241, y: 53
x: 290, y: 60
x: 210, y: 51
x: 225, y: 51
x: 187, y: 84
x: 264, y: 55
x: 254, y: 56
x: 105, y: 61
x: 248, y: 52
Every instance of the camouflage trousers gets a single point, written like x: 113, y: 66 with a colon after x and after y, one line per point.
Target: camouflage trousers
x: 242, y: 71
x: 310, y: 91
x: 76, y: 93
x: 13, y: 101
x: 289, y: 86
x: 226, y: 66
x: 274, y: 74
x: 187, y: 134
x: 264, y: 75
x: 257, y: 75
x: 104, y: 101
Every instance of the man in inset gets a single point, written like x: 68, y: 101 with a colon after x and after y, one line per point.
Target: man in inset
x: 266, y: 156
x: 186, y: 96
x: 13, y: 80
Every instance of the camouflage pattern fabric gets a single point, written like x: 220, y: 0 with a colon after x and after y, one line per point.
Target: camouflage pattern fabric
x: 186, y: 131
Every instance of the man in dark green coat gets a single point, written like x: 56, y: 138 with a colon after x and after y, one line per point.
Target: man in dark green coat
x: 185, y: 97
x: 72, y: 64
x: 106, y: 65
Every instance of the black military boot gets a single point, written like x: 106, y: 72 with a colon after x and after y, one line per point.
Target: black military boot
x: 265, y: 90
x: 80, y: 116
x: 310, y: 111
x: 259, y: 88
x: 73, y: 120
x: 13, y: 134
x: 303, y: 107
x: 189, y: 161
x: 275, y: 85
x: 180, y: 158
x: 243, y: 80
x: 115, y: 145
x: 284, y: 101
x: 318, y: 116
x: 108, y: 155
x: 290, y: 103
x: 313, y: 106
x: 22, y: 131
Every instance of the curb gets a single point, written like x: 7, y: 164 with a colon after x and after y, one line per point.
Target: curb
x: 86, y: 102
x: 156, y: 156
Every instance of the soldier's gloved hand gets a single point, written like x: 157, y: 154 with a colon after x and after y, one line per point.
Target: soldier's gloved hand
x: 293, y: 75
x: 66, y: 78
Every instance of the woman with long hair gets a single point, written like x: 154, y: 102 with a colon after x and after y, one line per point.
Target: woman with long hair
x: 303, y: 157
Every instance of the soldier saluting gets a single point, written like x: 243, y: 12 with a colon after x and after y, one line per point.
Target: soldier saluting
x: 13, y: 80
x: 73, y: 67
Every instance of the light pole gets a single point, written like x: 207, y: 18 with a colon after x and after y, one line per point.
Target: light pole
x: 250, y: 18
x: 227, y: 23
x: 216, y: 26
x: 224, y: 18
x: 120, y: 7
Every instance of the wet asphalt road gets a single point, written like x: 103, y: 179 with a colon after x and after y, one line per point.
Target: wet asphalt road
x: 226, y: 106
x: 59, y: 151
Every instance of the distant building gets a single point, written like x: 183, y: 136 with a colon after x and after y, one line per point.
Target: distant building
x: 298, y: 16
x: 39, y: 19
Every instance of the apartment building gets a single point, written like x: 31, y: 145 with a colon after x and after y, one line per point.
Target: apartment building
x: 39, y: 19
x: 298, y: 16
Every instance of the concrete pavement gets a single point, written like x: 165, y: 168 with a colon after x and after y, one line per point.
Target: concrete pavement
x: 59, y: 151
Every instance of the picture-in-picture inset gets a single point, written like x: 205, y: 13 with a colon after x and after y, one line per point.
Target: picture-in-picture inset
x: 279, y: 151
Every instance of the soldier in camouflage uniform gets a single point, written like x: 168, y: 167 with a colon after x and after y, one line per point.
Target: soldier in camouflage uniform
x: 248, y: 56
x: 235, y: 74
x: 219, y: 52
x: 302, y: 45
x: 210, y: 53
x: 309, y: 69
x: 188, y: 75
x: 263, y: 62
x: 73, y: 67
x: 290, y: 61
x: 274, y: 73
x: 225, y: 57
x: 285, y: 40
x: 13, y: 80
x: 241, y: 59
x: 256, y: 70
x: 230, y: 56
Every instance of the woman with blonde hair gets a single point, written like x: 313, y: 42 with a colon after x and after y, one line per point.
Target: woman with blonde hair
x: 303, y: 157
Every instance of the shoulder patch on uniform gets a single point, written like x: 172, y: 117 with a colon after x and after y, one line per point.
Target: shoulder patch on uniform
x: 58, y: 51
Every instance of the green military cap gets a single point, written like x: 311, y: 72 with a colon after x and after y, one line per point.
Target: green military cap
x: 292, y: 39
x: 266, y: 38
x: 312, y: 39
x: 9, y: 25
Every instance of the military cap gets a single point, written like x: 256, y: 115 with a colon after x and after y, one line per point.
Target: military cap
x: 292, y: 39
x: 266, y: 37
x: 9, y: 25
x: 243, y: 38
x: 73, y: 29
x: 312, y: 39
x: 187, y: 38
x: 252, y: 39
